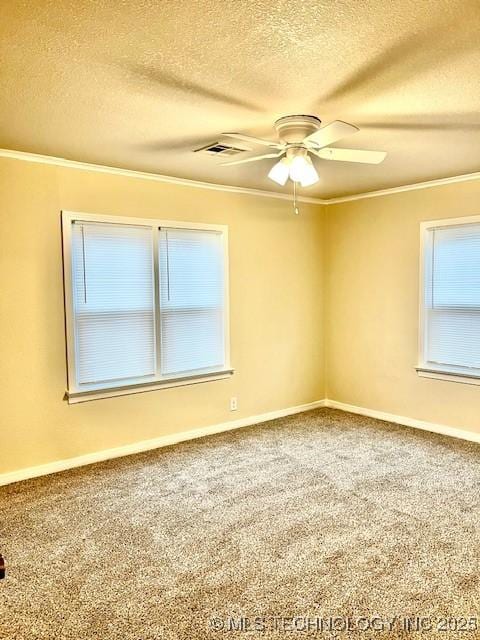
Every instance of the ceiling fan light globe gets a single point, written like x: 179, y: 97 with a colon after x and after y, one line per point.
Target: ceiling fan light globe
x: 296, y: 168
x: 310, y: 175
x: 279, y: 172
x: 303, y: 171
x: 307, y: 182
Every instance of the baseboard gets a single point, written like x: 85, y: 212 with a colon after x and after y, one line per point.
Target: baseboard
x: 173, y: 438
x: 147, y: 445
x: 443, y: 429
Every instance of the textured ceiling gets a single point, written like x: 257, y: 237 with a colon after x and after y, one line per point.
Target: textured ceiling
x: 139, y: 84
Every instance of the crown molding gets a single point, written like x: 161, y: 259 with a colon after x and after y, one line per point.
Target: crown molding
x: 130, y: 173
x: 466, y: 177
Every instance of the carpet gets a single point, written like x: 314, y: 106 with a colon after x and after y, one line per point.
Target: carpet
x: 320, y: 525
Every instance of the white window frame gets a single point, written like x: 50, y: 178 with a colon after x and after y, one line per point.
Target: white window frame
x: 425, y: 368
x: 76, y: 393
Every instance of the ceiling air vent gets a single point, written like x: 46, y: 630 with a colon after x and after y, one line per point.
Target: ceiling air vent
x: 217, y: 149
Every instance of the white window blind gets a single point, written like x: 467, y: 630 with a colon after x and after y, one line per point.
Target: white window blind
x: 145, y: 304
x: 113, y: 298
x: 191, y: 300
x: 452, y: 298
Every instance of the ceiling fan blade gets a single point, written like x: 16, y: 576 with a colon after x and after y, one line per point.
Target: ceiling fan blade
x: 253, y: 140
x: 264, y: 156
x: 332, y: 132
x: 350, y: 155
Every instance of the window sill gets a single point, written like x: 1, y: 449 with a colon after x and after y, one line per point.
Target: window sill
x: 73, y: 397
x: 449, y: 375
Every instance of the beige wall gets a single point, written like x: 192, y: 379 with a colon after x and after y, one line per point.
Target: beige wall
x: 371, y: 306
x: 276, y: 312
x: 364, y: 254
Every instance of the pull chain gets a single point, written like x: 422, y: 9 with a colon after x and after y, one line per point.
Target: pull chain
x: 295, y: 208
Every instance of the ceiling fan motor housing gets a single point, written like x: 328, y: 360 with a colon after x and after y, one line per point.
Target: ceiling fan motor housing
x: 293, y: 151
x: 293, y: 129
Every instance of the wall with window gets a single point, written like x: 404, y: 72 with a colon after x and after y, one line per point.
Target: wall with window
x: 276, y: 336
x: 372, y: 306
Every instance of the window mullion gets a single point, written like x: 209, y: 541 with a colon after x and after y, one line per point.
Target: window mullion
x: 156, y: 269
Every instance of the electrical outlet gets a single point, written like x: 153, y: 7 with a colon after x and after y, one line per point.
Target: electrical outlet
x: 233, y: 404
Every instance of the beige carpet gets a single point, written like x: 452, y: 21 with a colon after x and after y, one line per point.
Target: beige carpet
x: 326, y: 516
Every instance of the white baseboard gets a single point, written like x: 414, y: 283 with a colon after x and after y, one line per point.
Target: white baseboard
x: 173, y: 438
x: 443, y: 429
x: 147, y: 445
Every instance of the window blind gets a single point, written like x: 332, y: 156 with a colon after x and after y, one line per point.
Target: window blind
x: 145, y: 304
x: 191, y: 300
x: 113, y: 302
x: 452, y: 297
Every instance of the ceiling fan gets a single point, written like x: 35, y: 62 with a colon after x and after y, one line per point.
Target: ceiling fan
x: 299, y: 136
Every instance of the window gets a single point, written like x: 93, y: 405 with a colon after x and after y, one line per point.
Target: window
x: 450, y: 300
x: 146, y: 304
